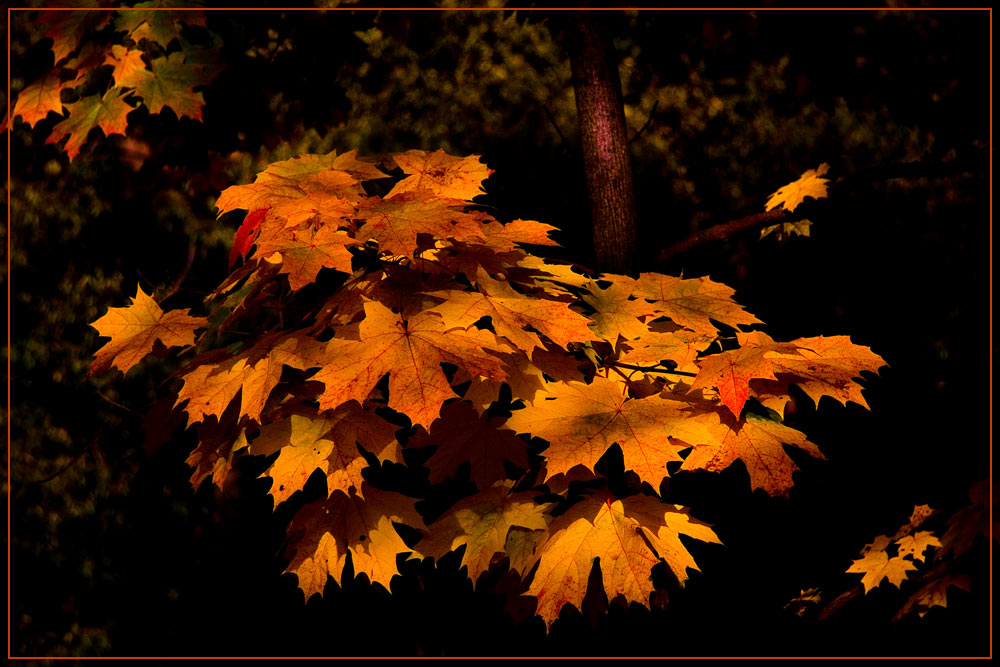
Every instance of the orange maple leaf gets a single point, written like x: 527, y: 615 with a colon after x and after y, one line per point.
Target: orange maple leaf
x: 209, y: 388
x: 620, y: 533
x: 442, y: 174
x: 303, y: 252
x: 758, y: 443
x: 581, y: 421
x: 510, y: 312
x: 616, y: 312
x: 326, y: 442
x: 127, y: 64
x: 322, y: 533
x: 692, y: 303
x: 68, y: 27
x: 820, y: 366
x: 411, y: 350
x: 135, y: 329
x: 41, y: 97
x: 397, y: 222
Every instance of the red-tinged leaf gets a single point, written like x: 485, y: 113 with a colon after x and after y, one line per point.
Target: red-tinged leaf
x: 246, y: 235
x: 67, y: 28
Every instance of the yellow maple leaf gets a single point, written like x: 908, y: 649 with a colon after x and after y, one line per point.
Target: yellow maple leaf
x: 810, y: 184
x: 135, y: 329
x: 444, y: 175
x: 620, y: 533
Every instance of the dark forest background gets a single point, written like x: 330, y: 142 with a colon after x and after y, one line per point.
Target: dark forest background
x: 113, y: 552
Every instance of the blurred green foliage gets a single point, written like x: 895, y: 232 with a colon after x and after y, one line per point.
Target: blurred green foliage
x: 731, y: 105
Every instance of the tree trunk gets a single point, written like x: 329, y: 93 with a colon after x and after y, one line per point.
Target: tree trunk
x: 597, y: 87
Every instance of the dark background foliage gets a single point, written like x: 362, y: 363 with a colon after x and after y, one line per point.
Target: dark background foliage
x: 114, y: 553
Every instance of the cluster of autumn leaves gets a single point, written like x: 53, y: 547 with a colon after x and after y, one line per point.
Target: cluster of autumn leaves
x: 353, y: 313
x: 139, y: 57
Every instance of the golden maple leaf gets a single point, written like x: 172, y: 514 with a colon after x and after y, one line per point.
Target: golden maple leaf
x: 322, y: 533
x: 810, y: 184
x: 411, y: 350
x: 135, y: 329
x: 581, y: 421
x: 758, y: 442
x: 620, y: 533
x: 442, y: 174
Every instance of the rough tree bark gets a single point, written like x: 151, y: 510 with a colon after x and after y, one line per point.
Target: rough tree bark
x: 597, y: 87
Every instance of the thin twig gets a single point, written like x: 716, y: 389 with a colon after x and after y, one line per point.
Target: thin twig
x: 120, y: 406
x: 724, y: 231
x: 650, y: 369
x: 649, y: 120
x: 552, y: 120
x: 192, y: 251
x: 883, y: 173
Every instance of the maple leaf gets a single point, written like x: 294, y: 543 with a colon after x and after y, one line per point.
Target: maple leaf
x: 916, y: 544
x: 170, y: 82
x: 460, y: 435
x: 160, y: 25
x: 134, y: 330
x: 653, y: 347
x: 820, y: 366
x: 282, y: 183
x: 41, y: 97
x: 968, y: 523
x: 483, y: 523
x: 876, y: 565
x: 209, y: 388
x: 615, y: 311
x: 106, y: 112
x: 303, y: 252
x: 127, y: 65
x: 505, y: 237
x: 397, y: 222
x: 327, y: 442
x: 620, y: 533
x: 323, y: 533
x: 787, y: 230
x: 510, y: 312
x: 581, y: 421
x: 411, y: 351
x: 731, y: 371
x: 692, y: 303
x: 933, y: 594
x: 68, y: 27
x: 810, y: 184
x: 758, y: 442
x: 444, y: 175
x: 246, y: 234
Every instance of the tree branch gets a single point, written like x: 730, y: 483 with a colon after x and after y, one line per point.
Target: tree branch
x: 882, y: 173
x: 724, y: 231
